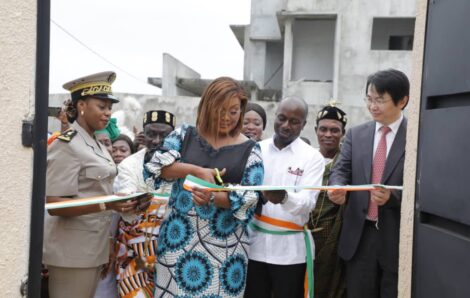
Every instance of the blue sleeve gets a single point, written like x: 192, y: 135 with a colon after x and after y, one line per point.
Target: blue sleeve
x: 243, y: 203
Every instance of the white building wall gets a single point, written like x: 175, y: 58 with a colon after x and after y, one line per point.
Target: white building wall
x: 17, y: 77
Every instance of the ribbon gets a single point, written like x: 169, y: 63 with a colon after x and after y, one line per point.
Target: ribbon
x: 269, y: 225
x: 190, y: 182
x: 101, y: 199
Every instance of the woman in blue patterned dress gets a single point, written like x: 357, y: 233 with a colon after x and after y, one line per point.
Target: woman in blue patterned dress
x: 203, y: 245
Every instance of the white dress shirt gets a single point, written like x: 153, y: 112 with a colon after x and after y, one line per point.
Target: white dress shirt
x: 130, y: 179
x: 296, y: 164
x: 390, y: 137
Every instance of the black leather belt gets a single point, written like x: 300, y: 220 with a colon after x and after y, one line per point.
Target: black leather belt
x: 371, y: 223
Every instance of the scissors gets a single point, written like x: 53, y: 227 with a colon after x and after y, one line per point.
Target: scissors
x: 217, y: 177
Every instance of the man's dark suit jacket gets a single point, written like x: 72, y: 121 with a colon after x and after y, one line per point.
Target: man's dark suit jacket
x: 355, y: 167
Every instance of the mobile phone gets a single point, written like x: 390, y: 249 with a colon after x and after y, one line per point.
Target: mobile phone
x: 53, y: 111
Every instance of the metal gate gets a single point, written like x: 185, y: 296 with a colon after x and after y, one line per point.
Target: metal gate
x: 441, y: 261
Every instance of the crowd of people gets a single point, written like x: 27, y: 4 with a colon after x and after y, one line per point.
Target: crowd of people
x: 181, y: 242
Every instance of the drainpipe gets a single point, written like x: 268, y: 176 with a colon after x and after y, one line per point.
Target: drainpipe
x: 39, y: 148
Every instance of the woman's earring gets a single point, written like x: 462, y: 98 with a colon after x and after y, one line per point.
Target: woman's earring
x: 81, y: 112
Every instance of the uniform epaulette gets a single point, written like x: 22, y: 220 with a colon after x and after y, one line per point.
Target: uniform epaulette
x: 67, y: 135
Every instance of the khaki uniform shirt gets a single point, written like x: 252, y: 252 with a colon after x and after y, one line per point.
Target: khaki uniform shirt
x: 79, y: 168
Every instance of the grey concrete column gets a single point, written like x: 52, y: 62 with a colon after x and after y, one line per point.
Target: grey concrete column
x: 288, y: 45
x: 337, y: 56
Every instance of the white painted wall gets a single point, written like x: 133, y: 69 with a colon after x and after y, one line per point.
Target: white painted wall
x: 17, y: 78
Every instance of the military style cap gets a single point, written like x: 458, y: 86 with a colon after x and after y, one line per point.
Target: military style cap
x: 97, y: 85
x: 159, y: 116
x: 330, y: 111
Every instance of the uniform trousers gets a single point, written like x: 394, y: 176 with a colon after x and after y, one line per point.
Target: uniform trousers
x: 275, y: 281
x: 366, y: 274
x: 73, y: 282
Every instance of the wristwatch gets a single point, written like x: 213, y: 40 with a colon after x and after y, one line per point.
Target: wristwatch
x: 286, y: 196
x: 102, y: 206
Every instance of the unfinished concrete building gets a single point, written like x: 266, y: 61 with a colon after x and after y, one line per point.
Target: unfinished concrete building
x: 315, y: 49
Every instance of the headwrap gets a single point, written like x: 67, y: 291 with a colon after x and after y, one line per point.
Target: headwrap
x: 159, y: 116
x: 251, y: 106
x: 330, y: 111
x: 111, y: 130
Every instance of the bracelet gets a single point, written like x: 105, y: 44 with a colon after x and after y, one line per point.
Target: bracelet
x: 102, y: 206
x: 212, y: 198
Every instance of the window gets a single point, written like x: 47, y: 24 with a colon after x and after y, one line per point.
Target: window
x: 313, y: 49
x: 393, y: 34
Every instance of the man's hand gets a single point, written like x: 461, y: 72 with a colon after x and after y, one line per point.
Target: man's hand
x: 380, y: 195
x: 274, y: 196
x: 122, y: 206
x: 337, y: 196
x: 139, y: 140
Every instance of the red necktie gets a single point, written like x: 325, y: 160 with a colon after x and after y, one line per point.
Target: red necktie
x: 378, y: 166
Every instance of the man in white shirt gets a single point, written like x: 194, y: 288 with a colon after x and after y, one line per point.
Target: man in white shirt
x: 277, y: 264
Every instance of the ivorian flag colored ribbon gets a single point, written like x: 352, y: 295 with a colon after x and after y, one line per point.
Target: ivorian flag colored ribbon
x: 269, y: 225
x: 192, y: 181
x: 102, y: 199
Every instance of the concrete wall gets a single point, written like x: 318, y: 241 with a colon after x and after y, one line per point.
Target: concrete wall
x: 173, y: 68
x: 353, y: 58
x: 17, y: 77
x: 356, y: 59
x: 264, y: 28
x: 185, y: 110
x: 408, y: 199
x: 184, y: 107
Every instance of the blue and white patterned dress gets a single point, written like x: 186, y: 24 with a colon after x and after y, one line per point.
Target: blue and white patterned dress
x: 203, y: 250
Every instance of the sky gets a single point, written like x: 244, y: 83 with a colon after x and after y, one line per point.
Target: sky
x: 131, y: 36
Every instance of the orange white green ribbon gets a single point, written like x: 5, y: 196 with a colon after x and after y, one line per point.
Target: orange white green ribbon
x: 100, y: 199
x: 273, y: 226
x: 192, y: 181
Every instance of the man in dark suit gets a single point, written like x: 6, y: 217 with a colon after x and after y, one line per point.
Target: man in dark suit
x: 373, y: 152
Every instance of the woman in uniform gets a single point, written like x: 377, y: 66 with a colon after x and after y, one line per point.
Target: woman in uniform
x: 76, y: 241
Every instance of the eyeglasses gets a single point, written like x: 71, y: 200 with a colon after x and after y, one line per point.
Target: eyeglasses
x: 379, y: 101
